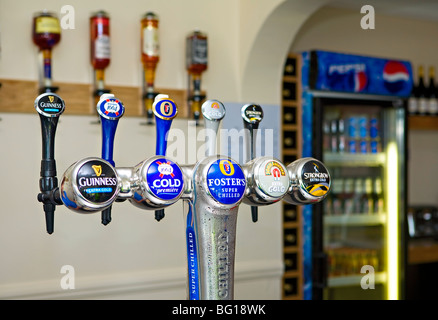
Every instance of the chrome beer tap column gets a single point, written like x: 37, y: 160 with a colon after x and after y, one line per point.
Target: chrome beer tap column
x: 165, y: 110
x: 110, y: 110
x: 252, y: 114
x: 310, y: 182
x: 219, y: 186
x: 213, y: 111
x: 49, y: 106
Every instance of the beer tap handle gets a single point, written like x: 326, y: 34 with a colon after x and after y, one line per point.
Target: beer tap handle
x: 213, y: 111
x: 310, y: 182
x: 49, y: 106
x: 252, y: 114
x: 110, y: 110
x: 165, y: 110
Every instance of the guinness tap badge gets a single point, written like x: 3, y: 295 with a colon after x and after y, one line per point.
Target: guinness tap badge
x: 49, y: 105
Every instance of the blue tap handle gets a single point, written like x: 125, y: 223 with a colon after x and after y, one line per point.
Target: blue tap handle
x: 165, y: 110
x: 110, y: 110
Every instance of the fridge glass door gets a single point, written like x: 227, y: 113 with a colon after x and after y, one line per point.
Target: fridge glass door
x: 363, y: 147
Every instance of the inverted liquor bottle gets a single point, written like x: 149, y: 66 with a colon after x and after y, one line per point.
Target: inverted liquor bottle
x: 196, y: 64
x: 46, y: 33
x: 100, y: 50
x: 149, y: 58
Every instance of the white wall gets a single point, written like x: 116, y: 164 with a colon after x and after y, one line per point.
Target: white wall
x: 338, y: 29
x: 134, y: 257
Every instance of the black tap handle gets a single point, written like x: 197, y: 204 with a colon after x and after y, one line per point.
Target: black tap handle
x: 49, y: 106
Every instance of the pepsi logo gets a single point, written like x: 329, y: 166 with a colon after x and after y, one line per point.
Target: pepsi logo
x: 395, y: 76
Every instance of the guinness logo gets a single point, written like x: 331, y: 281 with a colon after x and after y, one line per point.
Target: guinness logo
x: 51, y: 98
x: 97, y: 169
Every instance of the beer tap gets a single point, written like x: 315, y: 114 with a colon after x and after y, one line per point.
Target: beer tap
x: 150, y: 58
x: 218, y: 188
x: 110, y: 110
x: 310, y: 182
x: 46, y: 32
x: 213, y: 111
x: 165, y: 110
x: 252, y: 114
x: 49, y: 106
x: 267, y: 181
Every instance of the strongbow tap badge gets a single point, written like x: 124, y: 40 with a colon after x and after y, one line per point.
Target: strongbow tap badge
x: 316, y: 179
x: 165, y: 179
x: 226, y: 181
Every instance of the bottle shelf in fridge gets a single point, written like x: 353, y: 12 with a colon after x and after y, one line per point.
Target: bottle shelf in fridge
x: 353, y: 280
x: 354, y: 159
x: 358, y: 219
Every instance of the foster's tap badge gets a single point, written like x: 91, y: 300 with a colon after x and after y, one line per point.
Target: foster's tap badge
x: 110, y: 107
x: 226, y: 181
x: 164, y: 108
x: 49, y: 105
x: 165, y: 179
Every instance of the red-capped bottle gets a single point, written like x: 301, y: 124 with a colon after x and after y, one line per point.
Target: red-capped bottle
x: 100, y: 52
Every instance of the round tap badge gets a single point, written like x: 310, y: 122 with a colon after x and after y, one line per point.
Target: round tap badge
x: 213, y: 110
x: 315, y: 178
x: 110, y: 108
x: 165, y: 179
x: 226, y: 181
x: 49, y: 105
x: 252, y: 113
x: 165, y: 109
x: 96, y: 181
x: 272, y: 178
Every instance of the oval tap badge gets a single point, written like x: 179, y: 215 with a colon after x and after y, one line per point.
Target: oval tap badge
x: 213, y: 110
x: 110, y: 107
x: 273, y: 179
x: 226, y: 181
x: 315, y: 178
x: 96, y: 181
x: 49, y: 105
x: 164, y: 108
x: 165, y: 179
x: 252, y: 113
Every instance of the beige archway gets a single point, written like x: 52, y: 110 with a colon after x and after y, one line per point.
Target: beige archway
x: 261, y: 77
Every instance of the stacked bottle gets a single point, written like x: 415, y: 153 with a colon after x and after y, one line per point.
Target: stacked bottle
x: 346, y: 260
x: 352, y: 196
x: 354, y: 133
x: 424, y: 97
